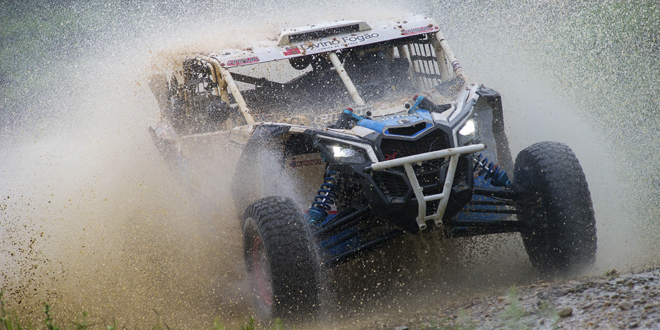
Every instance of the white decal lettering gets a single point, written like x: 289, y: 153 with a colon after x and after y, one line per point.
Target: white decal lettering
x: 336, y: 43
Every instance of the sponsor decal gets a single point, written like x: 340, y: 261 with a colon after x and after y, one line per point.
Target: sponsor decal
x: 243, y: 61
x: 308, y: 162
x: 322, y: 45
x: 337, y: 43
x: 422, y: 29
x: 360, y: 38
x: 292, y: 51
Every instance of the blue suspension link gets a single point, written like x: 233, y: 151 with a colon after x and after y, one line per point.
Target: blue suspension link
x: 498, y: 176
x: 325, y: 198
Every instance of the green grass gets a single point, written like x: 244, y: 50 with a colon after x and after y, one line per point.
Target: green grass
x: 9, y: 320
x: 513, y: 314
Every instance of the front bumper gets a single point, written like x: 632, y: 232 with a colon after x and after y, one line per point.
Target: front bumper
x: 453, y: 154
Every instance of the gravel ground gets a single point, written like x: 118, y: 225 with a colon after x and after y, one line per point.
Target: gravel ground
x: 610, y: 301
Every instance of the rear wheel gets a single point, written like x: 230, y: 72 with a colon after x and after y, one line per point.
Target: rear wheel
x: 560, y: 235
x: 281, y: 260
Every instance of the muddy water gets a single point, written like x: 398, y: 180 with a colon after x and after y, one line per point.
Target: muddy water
x: 92, y: 221
x: 120, y: 238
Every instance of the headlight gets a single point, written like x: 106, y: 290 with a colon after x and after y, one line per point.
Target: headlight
x: 347, y: 155
x: 468, y: 128
x: 468, y: 133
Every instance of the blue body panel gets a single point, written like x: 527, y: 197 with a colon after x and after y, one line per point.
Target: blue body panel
x: 382, y: 125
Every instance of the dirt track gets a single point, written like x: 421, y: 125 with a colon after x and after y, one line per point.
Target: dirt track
x: 609, y: 301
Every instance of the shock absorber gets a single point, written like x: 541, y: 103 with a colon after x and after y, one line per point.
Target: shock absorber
x: 325, y: 198
x: 497, y: 175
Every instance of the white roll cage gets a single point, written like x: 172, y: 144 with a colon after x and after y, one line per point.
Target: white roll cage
x: 223, y: 77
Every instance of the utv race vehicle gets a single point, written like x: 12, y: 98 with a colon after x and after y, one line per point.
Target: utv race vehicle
x: 341, y: 136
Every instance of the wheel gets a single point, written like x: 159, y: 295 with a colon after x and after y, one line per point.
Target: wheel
x: 555, y: 205
x: 282, y: 262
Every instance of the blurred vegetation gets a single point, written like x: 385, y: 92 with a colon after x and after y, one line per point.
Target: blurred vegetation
x: 41, y: 43
x: 611, y: 57
x: 603, y: 56
x: 36, y: 39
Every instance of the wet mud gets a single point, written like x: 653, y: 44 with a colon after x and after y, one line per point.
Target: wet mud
x: 610, y: 301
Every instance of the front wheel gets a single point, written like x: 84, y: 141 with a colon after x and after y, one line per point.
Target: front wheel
x: 556, y: 208
x: 281, y: 260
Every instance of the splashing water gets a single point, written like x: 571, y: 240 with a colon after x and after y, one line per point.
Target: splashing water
x: 92, y: 220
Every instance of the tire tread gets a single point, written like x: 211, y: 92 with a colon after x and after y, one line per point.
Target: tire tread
x: 562, y: 236
x: 292, y: 255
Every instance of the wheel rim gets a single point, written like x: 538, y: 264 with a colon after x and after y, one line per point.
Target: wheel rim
x: 263, y: 284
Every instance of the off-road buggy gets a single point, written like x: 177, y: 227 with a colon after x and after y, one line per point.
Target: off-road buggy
x: 348, y: 134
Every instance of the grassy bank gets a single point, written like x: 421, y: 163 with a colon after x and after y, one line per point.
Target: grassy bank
x: 9, y: 320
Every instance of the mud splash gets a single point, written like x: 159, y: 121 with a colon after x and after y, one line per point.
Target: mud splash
x: 91, y: 219
x: 117, y: 230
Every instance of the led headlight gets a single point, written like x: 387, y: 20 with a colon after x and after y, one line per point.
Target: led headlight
x: 468, y: 129
x: 347, y: 155
x: 468, y: 133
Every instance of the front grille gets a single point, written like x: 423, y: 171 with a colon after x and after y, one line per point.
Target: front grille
x: 407, y: 131
x: 392, y: 181
x: 391, y: 184
x: 433, y: 141
x: 430, y: 175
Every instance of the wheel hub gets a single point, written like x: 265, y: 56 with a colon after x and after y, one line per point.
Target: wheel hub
x: 263, y: 285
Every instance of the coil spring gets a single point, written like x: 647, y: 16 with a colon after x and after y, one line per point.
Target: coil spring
x: 325, y: 198
x: 491, y: 171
